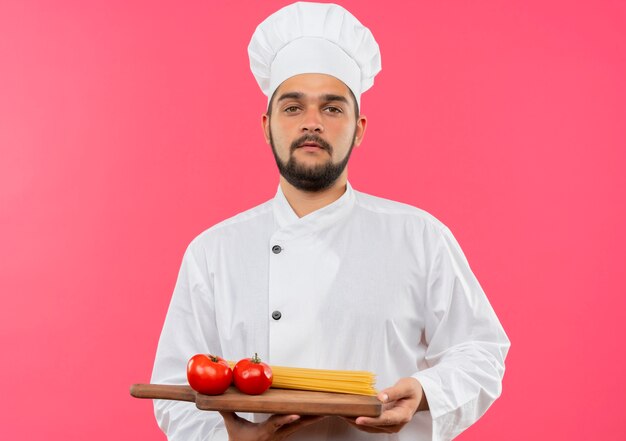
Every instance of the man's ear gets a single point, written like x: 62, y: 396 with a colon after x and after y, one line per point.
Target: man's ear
x: 361, y: 125
x: 265, y: 121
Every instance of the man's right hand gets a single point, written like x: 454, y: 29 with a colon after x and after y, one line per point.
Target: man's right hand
x: 275, y: 428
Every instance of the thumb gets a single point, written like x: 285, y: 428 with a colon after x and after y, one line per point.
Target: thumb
x: 404, y: 388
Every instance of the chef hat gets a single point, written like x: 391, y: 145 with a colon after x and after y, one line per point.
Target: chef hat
x: 313, y: 38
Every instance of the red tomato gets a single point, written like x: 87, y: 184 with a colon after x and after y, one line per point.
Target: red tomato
x: 208, y: 374
x: 252, y: 376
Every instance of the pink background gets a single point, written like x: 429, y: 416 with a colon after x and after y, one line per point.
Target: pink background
x: 127, y: 128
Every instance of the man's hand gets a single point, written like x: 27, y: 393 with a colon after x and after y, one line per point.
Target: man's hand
x: 275, y: 428
x: 400, y: 403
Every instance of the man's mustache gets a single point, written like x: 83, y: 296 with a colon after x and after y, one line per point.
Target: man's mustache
x: 311, y: 138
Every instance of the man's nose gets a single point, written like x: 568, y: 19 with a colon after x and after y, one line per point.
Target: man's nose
x: 312, y: 122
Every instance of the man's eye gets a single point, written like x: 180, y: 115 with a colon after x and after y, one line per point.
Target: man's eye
x: 291, y: 109
x: 333, y: 109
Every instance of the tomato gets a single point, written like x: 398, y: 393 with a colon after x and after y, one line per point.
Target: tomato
x: 208, y: 374
x: 252, y: 376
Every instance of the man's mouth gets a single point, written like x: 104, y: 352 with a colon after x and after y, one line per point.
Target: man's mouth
x: 311, y: 144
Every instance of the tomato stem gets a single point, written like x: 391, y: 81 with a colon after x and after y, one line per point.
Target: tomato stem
x: 255, y: 359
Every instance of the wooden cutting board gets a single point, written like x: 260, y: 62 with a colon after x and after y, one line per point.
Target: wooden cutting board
x: 278, y: 401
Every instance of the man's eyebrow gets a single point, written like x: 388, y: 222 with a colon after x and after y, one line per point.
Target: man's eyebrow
x: 290, y: 95
x: 332, y: 97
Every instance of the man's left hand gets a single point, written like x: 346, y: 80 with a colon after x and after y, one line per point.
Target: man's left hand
x: 400, y: 403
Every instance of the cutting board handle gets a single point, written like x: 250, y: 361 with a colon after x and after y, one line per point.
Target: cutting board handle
x: 163, y: 392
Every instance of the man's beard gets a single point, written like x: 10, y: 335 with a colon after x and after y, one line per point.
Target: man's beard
x: 311, y: 178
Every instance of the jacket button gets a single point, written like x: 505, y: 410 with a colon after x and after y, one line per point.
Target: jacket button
x: 276, y: 315
x: 276, y: 249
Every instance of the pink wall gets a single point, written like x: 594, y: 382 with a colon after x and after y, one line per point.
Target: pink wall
x: 126, y: 128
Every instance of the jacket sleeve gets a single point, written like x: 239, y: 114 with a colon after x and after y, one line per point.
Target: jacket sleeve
x: 189, y: 329
x: 466, y: 343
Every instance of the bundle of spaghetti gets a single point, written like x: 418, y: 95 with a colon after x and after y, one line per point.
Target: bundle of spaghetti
x: 324, y: 380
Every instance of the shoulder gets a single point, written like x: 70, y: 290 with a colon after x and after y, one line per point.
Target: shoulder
x: 396, y: 211
x: 410, y: 223
x: 238, y: 227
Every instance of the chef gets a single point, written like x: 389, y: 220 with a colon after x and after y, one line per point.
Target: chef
x: 323, y: 276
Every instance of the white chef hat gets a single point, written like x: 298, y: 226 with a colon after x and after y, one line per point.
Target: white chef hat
x: 313, y: 38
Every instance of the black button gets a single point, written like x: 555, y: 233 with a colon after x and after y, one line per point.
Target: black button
x: 276, y: 315
x: 276, y: 249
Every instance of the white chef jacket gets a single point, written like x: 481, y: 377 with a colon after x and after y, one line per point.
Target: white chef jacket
x: 361, y: 284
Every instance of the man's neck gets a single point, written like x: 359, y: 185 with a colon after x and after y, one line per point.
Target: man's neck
x: 306, y: 202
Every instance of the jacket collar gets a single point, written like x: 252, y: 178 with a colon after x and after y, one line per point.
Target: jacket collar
x: 289, y: 225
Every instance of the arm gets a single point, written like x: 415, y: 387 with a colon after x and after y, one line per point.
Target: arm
x: 466, y: 343
x: 189, y: 329
x: 465, y: 355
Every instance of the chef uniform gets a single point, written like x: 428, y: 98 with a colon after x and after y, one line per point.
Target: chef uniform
x: 361, y: 284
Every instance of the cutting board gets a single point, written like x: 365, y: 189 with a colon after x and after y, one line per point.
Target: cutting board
x: 277, y: 401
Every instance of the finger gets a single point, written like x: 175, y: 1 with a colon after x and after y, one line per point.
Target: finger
x: 275, y: 422
x: 229, y: 417
x: 310, y: 419
x: 364, y: 428
x: 301, y: 423
x: 391, y: 417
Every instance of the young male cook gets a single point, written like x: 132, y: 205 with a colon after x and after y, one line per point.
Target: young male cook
x: 323, y: 276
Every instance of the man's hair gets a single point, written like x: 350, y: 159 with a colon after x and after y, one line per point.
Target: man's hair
x: 356, y: 105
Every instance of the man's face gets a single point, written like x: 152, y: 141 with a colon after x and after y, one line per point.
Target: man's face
x: 312, y: 130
